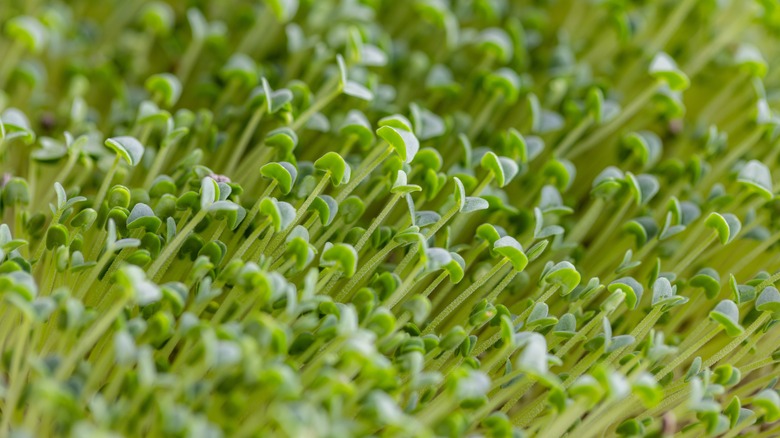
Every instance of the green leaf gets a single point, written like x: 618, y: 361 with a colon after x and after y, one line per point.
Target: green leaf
x: 504, y: 82
x: 284, y: 10
x: 709, y: 280
x: 647, y: 389
x: 551, y: 201
x: 401, y: 186
x: 51, y: 150
x: 631, y: 288
x: 727, y: 226
x: 768, y: 300
x: 209, y: 192
x: 427, y: 125
x: 165, y: 85
x: 270, y: 207
x: 356, y: 124
x: 224, y: 206
x: 768, y: 401
x: 130, y: 149
x: 274, y: 100
x: 726, y: 314
x: 352, y: 208
x: 403, y: 141
x: 133, y: 280
x: 663, y: 68
x: 497, y: 42
x: 57, y: 235
x: 749, y: 58
x: 665, y: 294
x: 536, y: 250
x: 566, y: 327
x: 354, y: 89
x: 240, y: 68
x: 282, y: 172
x: 645, y: 145
x: 142, y: 216
x: 459, y: 194
x: 563, y: 274
x: 14, y: 124
x: 342, y: 256
x: 510, y: 248
x: 283, y: 139
x: 326, y: 208
x: 16, y: 191
x: 503, y: 170
x: 28, y: 31
x: 594, y: 102
x: 455, y: 268
x: 335, y: 167
x: 643, y: 187
x: 474, y: 203
x: 538, y: 318
x: 757, y: 177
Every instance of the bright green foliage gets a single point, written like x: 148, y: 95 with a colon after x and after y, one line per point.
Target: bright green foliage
x: 417, y: 218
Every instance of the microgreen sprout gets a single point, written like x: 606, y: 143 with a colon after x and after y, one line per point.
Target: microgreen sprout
x: 366, y: 218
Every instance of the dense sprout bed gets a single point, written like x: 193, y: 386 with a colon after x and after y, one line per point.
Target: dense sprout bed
x: 406, y: 218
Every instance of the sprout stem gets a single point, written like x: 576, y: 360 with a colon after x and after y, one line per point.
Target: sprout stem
x: 165, y: 258
x: 246, y: 135
x: 604, y: 131
x: 572, y: 136
x: 10, y: 60
x: 98, y: 329
x: 106, y: 184
x: 441, y: 316
x: 319, y: 104
x: 15, y: 380
x: 723, y: 352
x: 377, y: 221
x: 683, y: 356
x: 251, y: 239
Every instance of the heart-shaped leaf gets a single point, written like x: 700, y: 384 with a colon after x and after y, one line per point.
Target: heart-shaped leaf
x: 403, y: 141
x: 130, y: 149
x: 663, y: 68
x: 757, y: 177
x: 342, y: 256
x: 510, y: 248
x: 334, y: 166
x: 726, y: 314
x: 283, y: 173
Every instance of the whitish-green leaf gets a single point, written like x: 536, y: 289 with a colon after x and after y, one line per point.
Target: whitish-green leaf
x: 756, y: 175
x: 510, y: 248
x: 130, y: 149
x: 664, y: 68
x: 726, y: 314
x: 403, y: 141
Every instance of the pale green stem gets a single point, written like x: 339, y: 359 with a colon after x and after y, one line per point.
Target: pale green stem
x: 441, y: 316
x: 238, y: 152
x: 106, y: 184
x: 166, y: 256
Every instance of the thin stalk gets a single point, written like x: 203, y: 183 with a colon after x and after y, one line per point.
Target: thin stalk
x: 104, y: 322
x: 106, y: 184
x: 166, y: 256
x: 377, y: 221
x: 463, y: 296
x: 690, y: 351
x: 251, y: 239
x: 238, y: 152
x: 333, y: 92
x: 304, y: 207
x: 723, y: 352
x: 601, y: 134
